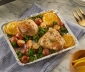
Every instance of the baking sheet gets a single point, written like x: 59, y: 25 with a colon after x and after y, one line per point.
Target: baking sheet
x: 55, y: 11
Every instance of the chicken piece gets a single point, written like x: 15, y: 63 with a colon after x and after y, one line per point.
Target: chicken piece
x: 56, y: 46
x: 52, y: 39
x: 28, y: 27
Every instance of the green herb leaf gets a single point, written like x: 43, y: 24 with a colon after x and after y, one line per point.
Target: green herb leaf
x: 39, y: 55
x: 33, y: 18
x: 52, y: 51
x: 36, y: 38
x: 30, y: 52
x: 63, y: 30
x: 40, y: 50
x: 26, y: 37
x: 51, y: 40
x: 54, y: 23
x: 19, y: 54
x: 32, y: 58
x: 9, y: 35
x: 38, y: 16
x: 42, y: 31
x: 14, y: 44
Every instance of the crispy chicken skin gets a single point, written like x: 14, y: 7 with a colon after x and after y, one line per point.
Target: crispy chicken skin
x: 52, y: 40
x: 28, y: 27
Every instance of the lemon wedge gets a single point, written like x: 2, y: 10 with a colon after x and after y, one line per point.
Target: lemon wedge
x: 79, y: 63
x: 78, y: 60
x: 80, y: 69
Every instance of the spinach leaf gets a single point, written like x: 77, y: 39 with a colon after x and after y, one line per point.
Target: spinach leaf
x: 39, y: 55
x: 52, y: 51
x: 40, y: 50
x: 36, y: 38
x: 19, y: 54
x: 14, y: 44
x: 54, y: 23
x: 26, y: 37
x: 63, y: 30
x: 42, y: 31
x: 32, y: 58
x: 30, y: 52
x: 9, y: 35
x: 38, y: 16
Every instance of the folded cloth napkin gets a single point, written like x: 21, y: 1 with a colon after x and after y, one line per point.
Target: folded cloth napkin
x: 7, y: 59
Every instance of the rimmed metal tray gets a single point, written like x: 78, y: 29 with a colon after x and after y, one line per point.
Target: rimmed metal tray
x: 61, y: 51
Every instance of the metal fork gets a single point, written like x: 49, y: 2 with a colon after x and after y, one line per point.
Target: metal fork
x: 79, y: 16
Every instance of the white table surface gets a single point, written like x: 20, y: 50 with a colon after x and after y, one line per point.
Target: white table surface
x: 13, y: 11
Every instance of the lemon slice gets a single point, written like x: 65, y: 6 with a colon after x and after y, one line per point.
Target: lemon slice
x: 79, y: 63
x: 69, y: 40
x: 11, y: 28
x: 80, y: 69
x: 5, y: 28
x: 78, y: 60
x: 51, y: 11
x: 48, y: 18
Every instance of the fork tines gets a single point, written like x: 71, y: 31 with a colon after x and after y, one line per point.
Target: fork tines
x: 78, y: 14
